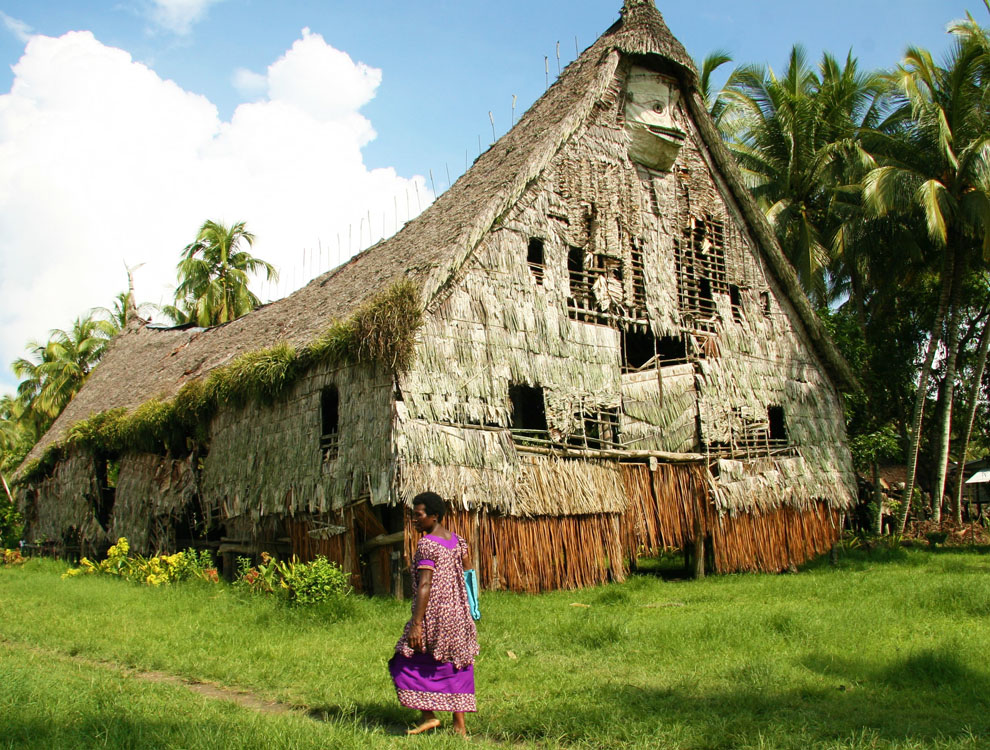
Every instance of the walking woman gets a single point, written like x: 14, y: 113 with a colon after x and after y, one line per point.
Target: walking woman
x: 433, y: 664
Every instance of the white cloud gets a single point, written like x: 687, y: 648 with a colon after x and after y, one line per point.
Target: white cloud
x: 248, y: 83
x: 16, y: 27
x: 178, y: 16
x: 102, y: 161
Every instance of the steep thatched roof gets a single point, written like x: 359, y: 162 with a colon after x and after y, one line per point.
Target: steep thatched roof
x: 143, y: 363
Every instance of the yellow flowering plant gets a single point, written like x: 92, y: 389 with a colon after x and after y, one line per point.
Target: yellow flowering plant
x: 156, y: 570
x: 11, y: 557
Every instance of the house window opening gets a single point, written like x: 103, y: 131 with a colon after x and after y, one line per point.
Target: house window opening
x: 699, y: 256
x: 765, y: 299
x: 639, y: 350
x: 535, y: 258
x: 777, y: 427
x: 672, y: 350
x: 575, y: 273
x: 330, y: 422
x: 106, y: 480
x: 597, y: 292
x: 638, y: 278
x: 735, y: 297
x: 529, y: 415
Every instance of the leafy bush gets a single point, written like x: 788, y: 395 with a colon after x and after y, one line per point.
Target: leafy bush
x: 10, y: 523
x: 316, y: 582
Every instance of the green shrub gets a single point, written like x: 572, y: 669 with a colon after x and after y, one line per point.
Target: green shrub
x: 316, y: 582
x: 11, y: 527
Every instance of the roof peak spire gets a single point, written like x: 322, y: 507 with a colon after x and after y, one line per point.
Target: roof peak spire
x: 628, y: 5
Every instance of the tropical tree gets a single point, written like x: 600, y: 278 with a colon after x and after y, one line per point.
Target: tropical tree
x: 796, y: 143
x: 213, y: 276
x: 934, y: 166
x: 715, y: 102
x: 55, y: 371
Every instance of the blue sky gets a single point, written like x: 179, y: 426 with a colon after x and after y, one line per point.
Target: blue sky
x: 332, y: 154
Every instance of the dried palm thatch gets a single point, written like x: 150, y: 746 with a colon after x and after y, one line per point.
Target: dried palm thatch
x: 379, y: 332
x: 151, y: 494
x: 556, y: 266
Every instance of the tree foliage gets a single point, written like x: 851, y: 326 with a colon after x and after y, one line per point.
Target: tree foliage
x: 213, y: 272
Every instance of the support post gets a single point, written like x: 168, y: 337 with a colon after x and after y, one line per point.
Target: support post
x: 699, y: 548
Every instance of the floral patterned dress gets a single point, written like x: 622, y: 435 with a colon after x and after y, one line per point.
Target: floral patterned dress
x: 442, y: 677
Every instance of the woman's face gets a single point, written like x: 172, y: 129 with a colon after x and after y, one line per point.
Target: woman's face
x: 423, y: 521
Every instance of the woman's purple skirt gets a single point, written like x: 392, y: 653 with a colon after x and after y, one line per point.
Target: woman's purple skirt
x: 428, y: 685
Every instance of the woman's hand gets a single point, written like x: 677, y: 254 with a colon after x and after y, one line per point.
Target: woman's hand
x: 416, y: 637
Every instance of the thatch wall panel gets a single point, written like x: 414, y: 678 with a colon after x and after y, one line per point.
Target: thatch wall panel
x: 64, y: 503
x: 660, y: 409
x: 266, y: 459
x: 152, y: 492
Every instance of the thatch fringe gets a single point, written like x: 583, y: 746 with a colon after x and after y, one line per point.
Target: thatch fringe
x: 774, y: 541
x: 538, y: 554
x: 666, y: 505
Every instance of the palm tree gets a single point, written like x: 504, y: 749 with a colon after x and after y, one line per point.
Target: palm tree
x: 17, y: 435
x: 716, y: 103
x: 934, y: 166
x: 54, y: 372
x: 213, y: 275
x: 796, y: 142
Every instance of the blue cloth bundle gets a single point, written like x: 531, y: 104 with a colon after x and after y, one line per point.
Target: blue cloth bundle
x: 471, y: 583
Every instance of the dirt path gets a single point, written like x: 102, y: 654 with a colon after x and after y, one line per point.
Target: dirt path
x: 243, y: 698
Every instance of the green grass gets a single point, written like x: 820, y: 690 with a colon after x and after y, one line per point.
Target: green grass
x: 882, y: 652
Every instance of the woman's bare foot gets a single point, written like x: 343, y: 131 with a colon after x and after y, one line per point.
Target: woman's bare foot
x: 459, y: 726
x: 427, y: 723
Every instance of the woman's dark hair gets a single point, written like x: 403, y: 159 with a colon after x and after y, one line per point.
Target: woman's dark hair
x: 433, y: 504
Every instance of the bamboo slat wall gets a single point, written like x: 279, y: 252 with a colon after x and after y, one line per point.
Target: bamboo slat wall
x: 538, y: 554
x: 339, y: 548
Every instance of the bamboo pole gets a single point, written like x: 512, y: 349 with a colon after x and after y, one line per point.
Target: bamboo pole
x: 7, y: 489
x: 665, y: 456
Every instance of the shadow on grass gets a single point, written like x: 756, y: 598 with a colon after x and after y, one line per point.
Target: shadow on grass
x: 924, y: 699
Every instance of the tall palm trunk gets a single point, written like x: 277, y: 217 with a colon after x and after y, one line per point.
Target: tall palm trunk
x: 923, y: 378
x: 974, y: 395
x: 945, y: 428
x: 877, y: 499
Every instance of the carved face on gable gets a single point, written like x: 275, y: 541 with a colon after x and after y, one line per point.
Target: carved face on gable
x: 651, y: 119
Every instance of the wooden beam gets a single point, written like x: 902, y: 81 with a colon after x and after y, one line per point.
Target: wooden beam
x: 383, y: 540
x: 661, y: 456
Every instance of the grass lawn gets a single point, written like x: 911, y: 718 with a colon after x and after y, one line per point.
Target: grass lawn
x: 885, y: 652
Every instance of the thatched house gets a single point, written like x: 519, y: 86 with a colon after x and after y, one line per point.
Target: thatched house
x: 591, y: 344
